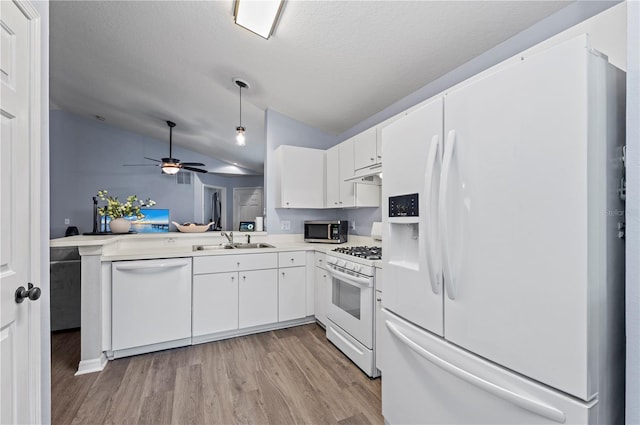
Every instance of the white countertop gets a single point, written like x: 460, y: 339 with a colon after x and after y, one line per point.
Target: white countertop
x: 175, y: 244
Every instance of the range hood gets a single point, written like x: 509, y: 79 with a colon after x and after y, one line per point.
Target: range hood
x: 368, y: 175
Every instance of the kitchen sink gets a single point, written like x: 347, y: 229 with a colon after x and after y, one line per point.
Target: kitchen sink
x: 252, y: 245
x: 212, y: 247
x: 232, y: 246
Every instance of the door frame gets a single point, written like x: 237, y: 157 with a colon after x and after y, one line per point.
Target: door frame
x: 223, y: 214
x: 235, y: 205
x: 38, y: 351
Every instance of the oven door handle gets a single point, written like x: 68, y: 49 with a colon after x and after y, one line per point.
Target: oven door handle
x: 351, y: 280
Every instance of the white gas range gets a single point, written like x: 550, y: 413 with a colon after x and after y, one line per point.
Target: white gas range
x: 351, y: 306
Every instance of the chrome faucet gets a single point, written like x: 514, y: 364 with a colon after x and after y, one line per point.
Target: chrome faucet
x: 248, y: 238
x: 229, y: 236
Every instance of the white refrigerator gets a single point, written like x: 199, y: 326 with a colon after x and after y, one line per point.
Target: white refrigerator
x: 500, y: 215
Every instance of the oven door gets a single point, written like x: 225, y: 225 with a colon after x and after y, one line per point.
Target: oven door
x: 351, y: 305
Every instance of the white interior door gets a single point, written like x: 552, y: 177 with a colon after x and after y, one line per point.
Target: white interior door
x: 518, y: 209
x: 19, y: 327
x: 412, y: 147
x: 247, y: 204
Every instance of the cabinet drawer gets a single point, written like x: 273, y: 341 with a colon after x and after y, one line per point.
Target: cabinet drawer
x: 232, y: 263
x: 292, y: 258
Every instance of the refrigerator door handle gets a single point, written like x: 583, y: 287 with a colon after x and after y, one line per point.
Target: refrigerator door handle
x: 519, y: 400
x: 434, y: 276
x: 443, y: 213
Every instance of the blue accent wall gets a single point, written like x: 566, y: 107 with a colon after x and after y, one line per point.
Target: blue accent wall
x: 88, y: 155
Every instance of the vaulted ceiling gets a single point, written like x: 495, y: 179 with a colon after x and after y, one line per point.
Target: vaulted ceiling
x: 329, y: 64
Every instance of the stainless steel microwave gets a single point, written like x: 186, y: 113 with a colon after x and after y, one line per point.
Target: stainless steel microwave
x: 334, y: 231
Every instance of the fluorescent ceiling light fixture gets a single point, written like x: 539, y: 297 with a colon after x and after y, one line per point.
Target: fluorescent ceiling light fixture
x: 258, y: 16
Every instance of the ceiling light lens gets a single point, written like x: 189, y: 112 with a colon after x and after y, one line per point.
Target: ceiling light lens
x: 258, y: 16
x: 240, y: 139
x: 170, y: 169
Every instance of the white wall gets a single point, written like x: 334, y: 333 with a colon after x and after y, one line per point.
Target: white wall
x: 632, y: 292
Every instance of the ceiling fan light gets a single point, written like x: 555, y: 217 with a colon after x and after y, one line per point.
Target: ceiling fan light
x: 240, y: 138
x: 170, y: 169
x: 259, y: 17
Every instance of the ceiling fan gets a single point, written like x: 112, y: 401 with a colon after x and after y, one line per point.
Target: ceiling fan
x: 172, y: 165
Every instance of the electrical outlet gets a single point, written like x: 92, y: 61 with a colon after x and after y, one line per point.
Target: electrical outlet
x: 353, y: 225
x: 67, y: 221
x: 285, y: 225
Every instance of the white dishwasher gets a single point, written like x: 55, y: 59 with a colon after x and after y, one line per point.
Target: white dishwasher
x: 151, y: 305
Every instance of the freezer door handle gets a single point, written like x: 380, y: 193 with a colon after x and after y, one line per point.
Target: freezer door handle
x: 434, y: 276
x: 443, y: 213
x: 519, y: 400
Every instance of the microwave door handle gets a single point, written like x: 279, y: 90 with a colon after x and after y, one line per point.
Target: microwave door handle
x: 329, y: 231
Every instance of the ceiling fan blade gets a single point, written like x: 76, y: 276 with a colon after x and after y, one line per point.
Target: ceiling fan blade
x: 151, y: 159
x: 140, y: 165
x: 197, y: 170
x: 193, y: 164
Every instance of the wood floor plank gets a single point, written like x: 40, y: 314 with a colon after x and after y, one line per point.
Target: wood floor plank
x: 289, y: 376
x: 303, y: 396
x: 357, y: 419
x: 99, y: 397
x: 188, y: 401
x: 216, y: 387
x: 127, y: 399
x: 156, y: 409
x: 335, y: 394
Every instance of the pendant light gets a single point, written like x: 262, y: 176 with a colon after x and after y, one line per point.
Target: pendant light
x: 240, y: 137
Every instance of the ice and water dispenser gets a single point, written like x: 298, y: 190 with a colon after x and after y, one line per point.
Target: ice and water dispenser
x: 404, y: 231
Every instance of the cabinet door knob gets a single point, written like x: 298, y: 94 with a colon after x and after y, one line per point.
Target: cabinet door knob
x: 238, y: 263
x: 233, y: 278
x: 282, y: 273
x: 244, y: 277
x: 372, y: 159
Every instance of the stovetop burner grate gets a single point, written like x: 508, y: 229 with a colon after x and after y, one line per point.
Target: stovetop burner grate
x: 366, y: 252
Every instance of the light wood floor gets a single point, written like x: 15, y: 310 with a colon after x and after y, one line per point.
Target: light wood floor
x: 290, y: 376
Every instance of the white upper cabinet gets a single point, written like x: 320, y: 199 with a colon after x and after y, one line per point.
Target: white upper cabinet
x: 333, y: 177
x: 365, y: 149
x: 346, y: 194
x: 299, y: 177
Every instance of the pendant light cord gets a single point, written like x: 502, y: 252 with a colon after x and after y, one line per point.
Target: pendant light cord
x: 240, y: 87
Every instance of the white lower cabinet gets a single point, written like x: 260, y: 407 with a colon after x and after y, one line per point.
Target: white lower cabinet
x: 292, y: 293
x: 258, y: 298
x: 321, y: 287
x: 151, y: 305
x: 215, y: 303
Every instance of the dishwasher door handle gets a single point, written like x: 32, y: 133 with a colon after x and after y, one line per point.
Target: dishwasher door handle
x: 152, y: 267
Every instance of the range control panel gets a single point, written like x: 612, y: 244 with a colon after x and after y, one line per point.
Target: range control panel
x: 403, y: 205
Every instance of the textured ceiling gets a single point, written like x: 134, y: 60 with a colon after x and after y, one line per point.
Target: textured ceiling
x: 329, y: 64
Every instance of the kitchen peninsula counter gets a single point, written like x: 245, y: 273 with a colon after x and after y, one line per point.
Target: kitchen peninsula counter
x: 99, y: 251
